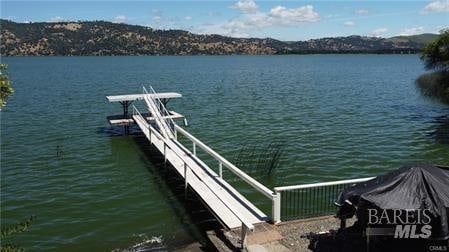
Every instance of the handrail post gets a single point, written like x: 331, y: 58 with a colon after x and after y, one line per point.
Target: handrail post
x: 185, y: 174
x: 194, y: 148
x: 243, y: 235
x: 165, y: 154
x: 276, y: 208
x: 220, y: 169
x: 186, y: 184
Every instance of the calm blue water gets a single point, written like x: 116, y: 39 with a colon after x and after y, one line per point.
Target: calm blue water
x: 337, y: 116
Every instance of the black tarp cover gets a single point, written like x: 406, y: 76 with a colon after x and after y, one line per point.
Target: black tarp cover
x: 410, y: 187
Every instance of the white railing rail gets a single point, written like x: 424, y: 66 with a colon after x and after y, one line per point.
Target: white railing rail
x: 154, y: 112
x: 321, y: 184
x: 275, y: 198
x: 137, y: 112
x: 224, y: 162
x: 162, y: 106
x: 300, y: 204
x: 165, y: 128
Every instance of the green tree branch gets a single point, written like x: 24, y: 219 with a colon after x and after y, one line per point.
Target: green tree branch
x: 5, y: 85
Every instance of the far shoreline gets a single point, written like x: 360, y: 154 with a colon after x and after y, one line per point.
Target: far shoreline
x: 212, y: 55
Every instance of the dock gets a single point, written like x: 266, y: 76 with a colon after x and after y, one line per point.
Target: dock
x: 232, y: 209
x: 158, y: 124
x: 126, y: 100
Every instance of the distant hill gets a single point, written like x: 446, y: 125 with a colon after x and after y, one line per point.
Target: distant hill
x: 424, y: 38
x: 106, y: 38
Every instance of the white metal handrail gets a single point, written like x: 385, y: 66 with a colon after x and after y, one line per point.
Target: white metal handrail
x: 162, y: 109
x: 305, y: 186
x: 245, y: 177
x: 161, y: 105
x: 275, y: 198
x: 161, y: 122
x: 136, y: 111
x: 154, y: 112
x: 278, y: 191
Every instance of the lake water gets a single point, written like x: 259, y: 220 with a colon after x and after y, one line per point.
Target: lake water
x: 336, y: 116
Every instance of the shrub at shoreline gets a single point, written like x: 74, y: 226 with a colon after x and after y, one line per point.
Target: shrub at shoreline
x: 436, y: 57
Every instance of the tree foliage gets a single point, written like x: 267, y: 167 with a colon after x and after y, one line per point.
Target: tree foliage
x: 436, y: 54
x: 435, y: 85
x: 5, y: 85
x: 436, y: 57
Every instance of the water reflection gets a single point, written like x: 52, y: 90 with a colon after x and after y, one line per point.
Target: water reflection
x: 440, y: 131
x: 194, y: 217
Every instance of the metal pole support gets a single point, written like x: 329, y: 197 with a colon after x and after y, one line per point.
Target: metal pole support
x: 243, y: 235
x: 125, y: 105
x: 220, y: 169
x: 165, y: 154
x: 186, y: 184
x: 276, y: 208
x: 342, y: 223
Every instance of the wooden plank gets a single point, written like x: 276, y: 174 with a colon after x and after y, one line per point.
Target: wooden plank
x: 135, y: 97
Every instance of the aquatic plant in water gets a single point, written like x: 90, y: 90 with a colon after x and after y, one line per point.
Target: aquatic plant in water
x: 11, y: 230
x: 261, y: 159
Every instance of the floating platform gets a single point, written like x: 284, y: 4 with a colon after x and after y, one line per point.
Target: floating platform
x: 137, y: 97
x: 126, y: 100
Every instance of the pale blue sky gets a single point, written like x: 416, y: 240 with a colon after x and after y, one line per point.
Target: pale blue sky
x: 284, y: 20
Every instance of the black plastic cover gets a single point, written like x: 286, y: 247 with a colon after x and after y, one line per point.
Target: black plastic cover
x: 410, y: 187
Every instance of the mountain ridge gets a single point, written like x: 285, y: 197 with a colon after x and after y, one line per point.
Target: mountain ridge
x: 106, y: 38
